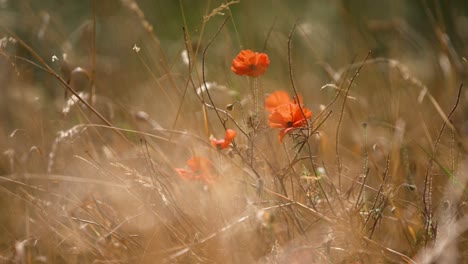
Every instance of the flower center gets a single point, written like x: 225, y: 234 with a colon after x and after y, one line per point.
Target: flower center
x: 289, y: 123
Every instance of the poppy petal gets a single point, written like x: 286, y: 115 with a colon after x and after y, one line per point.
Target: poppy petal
x: 185, y: 174
x: 276, y: 99
x: 278, y: 120
x: 283, y: 133
x: 230, y: 135
x: 224, y: 143
x: 217, y: 143
x: 298, y: 118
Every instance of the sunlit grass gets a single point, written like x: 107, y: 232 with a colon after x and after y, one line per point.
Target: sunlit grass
x: 130, y: 137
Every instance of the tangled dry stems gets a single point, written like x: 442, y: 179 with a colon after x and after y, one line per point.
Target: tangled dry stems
x: 345, y: 188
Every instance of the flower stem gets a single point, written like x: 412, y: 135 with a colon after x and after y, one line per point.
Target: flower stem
x: 255, y: 95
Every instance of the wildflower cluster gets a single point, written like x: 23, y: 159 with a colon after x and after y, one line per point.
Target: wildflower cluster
x: 285, y: 113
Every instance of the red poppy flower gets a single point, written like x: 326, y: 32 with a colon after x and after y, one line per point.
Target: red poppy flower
x: 250, y: 63
x: 224, y: 143
x: 288, y: 117
x: 200, y: 169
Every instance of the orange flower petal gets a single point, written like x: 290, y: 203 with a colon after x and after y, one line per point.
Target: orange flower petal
x: 185, y: 174
x: 276, y: 99
x: 283, y: 133
x: 298, y: 117
x: 281, y: 116
x: 230, y: 135
x: 200, y: 169
x: 199, y: 164
x: 217, y: 143
x: 224, y: 143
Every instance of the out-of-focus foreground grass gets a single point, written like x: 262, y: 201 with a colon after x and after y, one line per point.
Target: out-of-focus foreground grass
x: 378, y: 176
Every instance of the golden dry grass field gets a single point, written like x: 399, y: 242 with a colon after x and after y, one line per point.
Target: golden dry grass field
x: 244, y: 131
